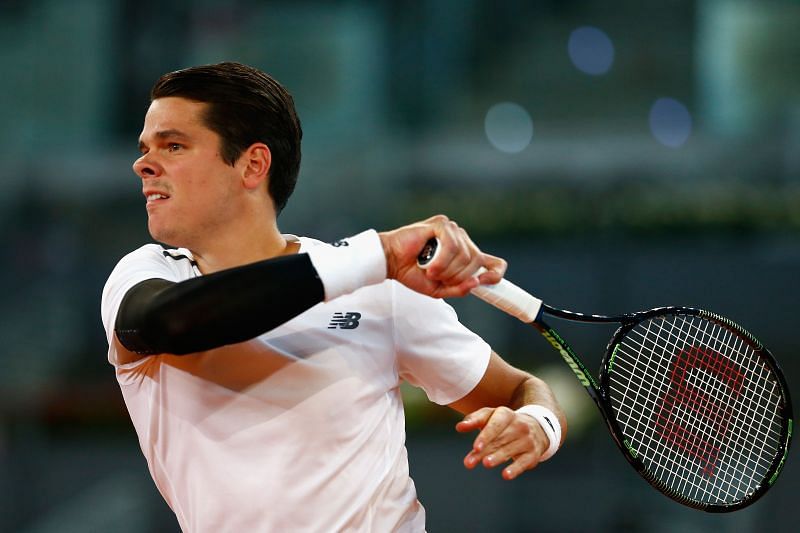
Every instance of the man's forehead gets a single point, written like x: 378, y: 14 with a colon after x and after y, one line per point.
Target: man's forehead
x: 176, y: 108
x: 173, y: 115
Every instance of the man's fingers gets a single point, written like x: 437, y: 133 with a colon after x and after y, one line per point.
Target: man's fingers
x: 491, y: 422
x: 474, y: 420
x: 519, y: 465
x: 514, y: 449
x: 456, y: 291
x: 497, y: 423
x: 452, y: 262
x: 495, y: 269
x: 463, y: 259
x: 458, y: 258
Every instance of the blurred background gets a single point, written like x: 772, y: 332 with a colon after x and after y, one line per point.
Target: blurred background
x: 621, y: 155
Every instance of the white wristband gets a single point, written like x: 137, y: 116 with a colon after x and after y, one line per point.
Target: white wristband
x: 349, y: 264
x: 550, y: 425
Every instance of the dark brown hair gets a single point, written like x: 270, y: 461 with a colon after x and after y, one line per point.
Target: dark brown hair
x: 246, y: 106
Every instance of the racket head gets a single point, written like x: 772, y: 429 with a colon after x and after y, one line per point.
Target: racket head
x: 698, y: 406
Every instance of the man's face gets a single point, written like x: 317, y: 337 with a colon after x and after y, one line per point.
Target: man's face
x: 188, y: 187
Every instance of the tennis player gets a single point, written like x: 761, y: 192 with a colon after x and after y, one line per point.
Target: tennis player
x: 261, y: 370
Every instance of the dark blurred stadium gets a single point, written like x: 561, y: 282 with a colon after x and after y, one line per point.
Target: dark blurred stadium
x: 621, y: 155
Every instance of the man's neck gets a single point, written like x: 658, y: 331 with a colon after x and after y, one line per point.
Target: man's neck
x: 243, y: 248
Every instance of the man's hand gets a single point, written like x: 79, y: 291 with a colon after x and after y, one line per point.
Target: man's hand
x: 452, y: 272
x: 504, y: 435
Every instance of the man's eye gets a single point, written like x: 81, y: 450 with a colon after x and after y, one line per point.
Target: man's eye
x: 174, y: 147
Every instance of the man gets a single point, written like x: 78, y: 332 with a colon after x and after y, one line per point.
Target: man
x: 262, y: 370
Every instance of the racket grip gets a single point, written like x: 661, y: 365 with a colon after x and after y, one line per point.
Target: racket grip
x: 504, y: 295
x: 509, y: 298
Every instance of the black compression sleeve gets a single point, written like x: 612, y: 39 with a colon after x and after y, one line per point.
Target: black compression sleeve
x: 226, y: 307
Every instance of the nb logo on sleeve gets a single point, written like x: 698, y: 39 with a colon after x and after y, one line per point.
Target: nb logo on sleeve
x: 345, y: 320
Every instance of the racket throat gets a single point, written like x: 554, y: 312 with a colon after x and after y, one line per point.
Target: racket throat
x: 575, y: 364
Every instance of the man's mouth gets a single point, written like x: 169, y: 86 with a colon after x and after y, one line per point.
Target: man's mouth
x: 156, y: 196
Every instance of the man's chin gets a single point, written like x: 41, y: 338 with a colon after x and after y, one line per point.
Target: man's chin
x: 164, y: 237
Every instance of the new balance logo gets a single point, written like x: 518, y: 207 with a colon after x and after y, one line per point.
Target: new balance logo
x: 345, y: 320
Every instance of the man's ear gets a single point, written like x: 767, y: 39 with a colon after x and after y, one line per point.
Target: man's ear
x: 256, y: 161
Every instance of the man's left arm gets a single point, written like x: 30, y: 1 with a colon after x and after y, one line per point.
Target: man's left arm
x: 506, y: 434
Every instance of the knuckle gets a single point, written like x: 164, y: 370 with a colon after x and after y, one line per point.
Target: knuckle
x: 505, y: 410
x: 526, y: 434
x: 525, y: 429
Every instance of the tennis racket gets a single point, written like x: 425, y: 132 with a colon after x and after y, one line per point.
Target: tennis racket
x: 696, y: 404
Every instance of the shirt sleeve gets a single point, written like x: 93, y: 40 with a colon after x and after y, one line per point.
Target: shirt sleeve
x: 434, y: 350
x: 145, y: 263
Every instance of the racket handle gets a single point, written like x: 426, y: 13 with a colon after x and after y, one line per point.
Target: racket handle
x: 504, y: 295
x: 509, y: 298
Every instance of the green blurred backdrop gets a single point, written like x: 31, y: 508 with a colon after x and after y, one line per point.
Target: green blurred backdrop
x: 621, y: 155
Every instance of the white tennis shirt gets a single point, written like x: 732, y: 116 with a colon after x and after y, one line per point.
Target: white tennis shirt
x: 302, y: 428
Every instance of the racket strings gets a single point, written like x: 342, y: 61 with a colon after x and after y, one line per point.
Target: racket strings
x: 698, y: 406
x: 710, y: 452
x: 717, y: 423
x: 706, y: 451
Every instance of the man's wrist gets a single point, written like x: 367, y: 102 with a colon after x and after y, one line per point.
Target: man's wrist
x: 550, y: 425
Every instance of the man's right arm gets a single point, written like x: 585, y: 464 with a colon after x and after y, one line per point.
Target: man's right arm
x: 230, y: 306
x: 159, y: 316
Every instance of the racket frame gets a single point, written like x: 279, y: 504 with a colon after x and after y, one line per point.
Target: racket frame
x: 598, y: 389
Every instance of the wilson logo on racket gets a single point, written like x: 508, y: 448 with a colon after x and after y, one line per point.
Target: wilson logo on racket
x: 345, y: 320
x: 694, y: 378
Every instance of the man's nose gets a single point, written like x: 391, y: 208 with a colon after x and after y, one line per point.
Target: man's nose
x: 145, y: 167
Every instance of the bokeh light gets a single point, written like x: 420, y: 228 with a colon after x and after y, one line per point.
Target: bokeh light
x: 509, y: 127
x: 591, y: 50
x: 670, y: 122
